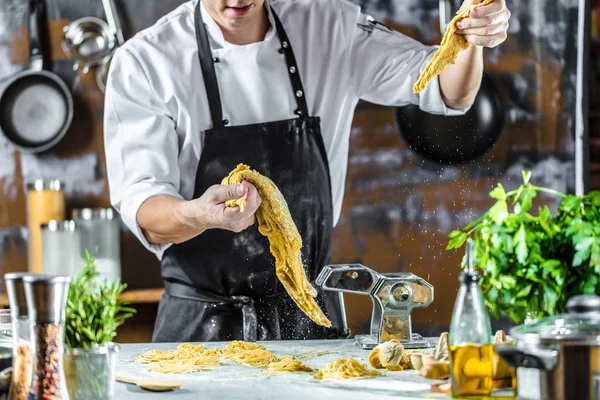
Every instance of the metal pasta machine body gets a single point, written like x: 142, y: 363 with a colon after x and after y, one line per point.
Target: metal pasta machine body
x: 394, y: 297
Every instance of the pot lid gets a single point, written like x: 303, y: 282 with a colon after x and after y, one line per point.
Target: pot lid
x: 581, y: 323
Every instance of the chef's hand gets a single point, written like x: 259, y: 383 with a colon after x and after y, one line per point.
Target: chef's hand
x: 487, y: 26
x: 212, y: 206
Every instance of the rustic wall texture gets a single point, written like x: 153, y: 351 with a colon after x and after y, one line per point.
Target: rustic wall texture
x: 398, y: 208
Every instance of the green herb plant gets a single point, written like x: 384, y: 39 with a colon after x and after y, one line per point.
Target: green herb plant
x: 94, y: 311
x: 531, y: 265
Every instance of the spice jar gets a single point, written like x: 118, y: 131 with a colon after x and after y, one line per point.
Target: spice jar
x: 22, y: 346
x: 46, y: 302
x: 45, y: 202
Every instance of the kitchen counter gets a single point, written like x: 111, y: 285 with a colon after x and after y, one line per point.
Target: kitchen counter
x: 230, y: 381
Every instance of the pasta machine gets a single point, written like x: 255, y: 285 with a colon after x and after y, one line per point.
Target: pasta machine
x: 394, y: 296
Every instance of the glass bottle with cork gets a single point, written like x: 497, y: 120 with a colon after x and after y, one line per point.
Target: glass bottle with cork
x: 470, y: 338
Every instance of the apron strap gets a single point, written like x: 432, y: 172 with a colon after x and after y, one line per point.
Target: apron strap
x: 207, y: 63
x: 208, y: 71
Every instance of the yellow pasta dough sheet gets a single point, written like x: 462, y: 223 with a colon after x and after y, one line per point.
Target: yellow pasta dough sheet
x: 275, y: 222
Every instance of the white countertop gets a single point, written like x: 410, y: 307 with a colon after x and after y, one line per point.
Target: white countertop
x: 231, y: 382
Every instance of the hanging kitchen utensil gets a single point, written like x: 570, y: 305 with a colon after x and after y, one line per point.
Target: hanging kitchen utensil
x: 454, y: 140
x: 114, y: 22
x: 36, y: 107
x: 88, y: 41
x: 459, y: 139
x: 563, y: 349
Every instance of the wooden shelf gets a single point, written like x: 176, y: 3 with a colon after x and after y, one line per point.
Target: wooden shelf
x: 137, y: 296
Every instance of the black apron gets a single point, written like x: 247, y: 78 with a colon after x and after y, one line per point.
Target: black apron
x: 222, y: 285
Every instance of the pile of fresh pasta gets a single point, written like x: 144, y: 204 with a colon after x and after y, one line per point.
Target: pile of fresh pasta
x: 188, y: 358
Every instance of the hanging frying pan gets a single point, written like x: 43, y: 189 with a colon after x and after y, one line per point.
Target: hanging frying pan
x: 36, y: 107
x: 454, y: 140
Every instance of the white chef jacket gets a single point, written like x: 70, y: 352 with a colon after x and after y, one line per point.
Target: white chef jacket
x: 156, y: 107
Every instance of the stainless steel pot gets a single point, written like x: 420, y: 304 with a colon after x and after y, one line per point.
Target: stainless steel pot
x: 558, y: 358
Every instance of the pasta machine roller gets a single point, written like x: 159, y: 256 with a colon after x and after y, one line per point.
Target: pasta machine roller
x: 394, y: 296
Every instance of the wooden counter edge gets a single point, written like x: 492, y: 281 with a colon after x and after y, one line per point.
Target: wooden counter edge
x: 134, y: 296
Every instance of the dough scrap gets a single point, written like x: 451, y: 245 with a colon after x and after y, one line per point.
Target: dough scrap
x: 257, y: 358
x: 452, y: 44
x: 275, y: 222
x: 500, y: 368
x: 237, y: 347
x: 346, y: 368
x: 442, y: 351
x: 387, y: 355
x: 288, y: 365
x: 184, y: 366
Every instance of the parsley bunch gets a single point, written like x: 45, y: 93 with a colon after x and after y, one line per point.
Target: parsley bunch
x: 93, y: 311
x: 534, y: 264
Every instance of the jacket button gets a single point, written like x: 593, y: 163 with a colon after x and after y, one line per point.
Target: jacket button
x: 285, y: 45
x: 299, y: 93
x: 292, y: 69
x: 225, y: 122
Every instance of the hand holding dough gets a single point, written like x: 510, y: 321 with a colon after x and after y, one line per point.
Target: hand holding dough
x: 452, y: 45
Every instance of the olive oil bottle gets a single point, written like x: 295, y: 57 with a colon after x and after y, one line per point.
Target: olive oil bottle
x: 470, y: 339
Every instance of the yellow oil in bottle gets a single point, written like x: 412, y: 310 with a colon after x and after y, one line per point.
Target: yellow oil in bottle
x: 471, y: 370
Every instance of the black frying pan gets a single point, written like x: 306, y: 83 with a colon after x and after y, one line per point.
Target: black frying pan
x: 36, y: 107
x: 455, y: 140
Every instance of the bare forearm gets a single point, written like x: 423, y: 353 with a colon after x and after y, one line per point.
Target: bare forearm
x: 168, y: 219
x: 460, y: 82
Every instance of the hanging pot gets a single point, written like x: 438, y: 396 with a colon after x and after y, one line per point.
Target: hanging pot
x: 558, y: 358
x: 455, y: 140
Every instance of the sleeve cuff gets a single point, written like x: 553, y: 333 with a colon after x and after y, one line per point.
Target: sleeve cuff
x: 136, y: 196
x: 430, y: 99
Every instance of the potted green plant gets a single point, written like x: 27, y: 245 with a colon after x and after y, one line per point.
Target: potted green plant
x: 93, y: 314
x: 532, y: 264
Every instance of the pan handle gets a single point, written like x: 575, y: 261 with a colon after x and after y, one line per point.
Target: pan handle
x: 536, y: 358
x: 445, y: 15
x: 37, y: 11
x: 114, y: 22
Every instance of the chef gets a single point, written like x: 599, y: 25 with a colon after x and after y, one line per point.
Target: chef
x: 271, y: 84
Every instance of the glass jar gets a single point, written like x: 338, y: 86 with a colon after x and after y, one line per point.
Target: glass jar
x: 46, y: 303
x: 61, y: 242
x: 100, y: 231
x: 45, y: 202
x: 91, y: 372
